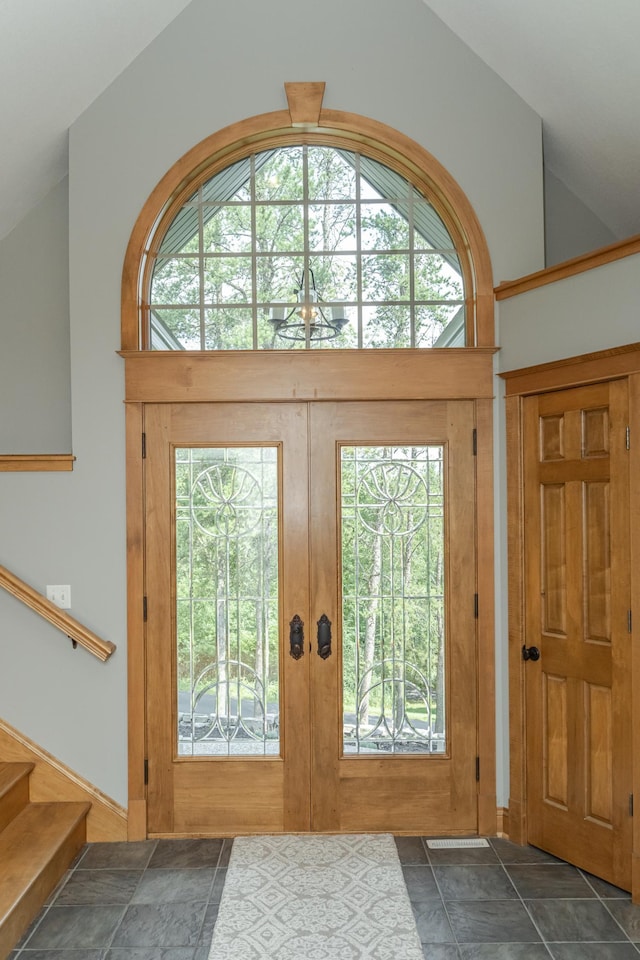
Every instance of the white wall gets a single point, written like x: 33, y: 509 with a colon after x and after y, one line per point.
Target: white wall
x: 218, y: 63
x: 35, y: 379
x: 570, y: 227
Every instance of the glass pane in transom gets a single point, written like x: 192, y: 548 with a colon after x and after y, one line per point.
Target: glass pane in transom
x: 326, y: 248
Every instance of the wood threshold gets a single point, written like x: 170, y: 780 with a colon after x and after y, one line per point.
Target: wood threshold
x: 71, y: 627
x: 36, y: 462
x: 569, y: 268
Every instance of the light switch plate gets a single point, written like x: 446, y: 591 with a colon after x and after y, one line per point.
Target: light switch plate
x: 60, y: 594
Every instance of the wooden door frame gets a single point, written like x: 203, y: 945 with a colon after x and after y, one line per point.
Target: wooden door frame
x: 616, y: 363
x: 461, y: 373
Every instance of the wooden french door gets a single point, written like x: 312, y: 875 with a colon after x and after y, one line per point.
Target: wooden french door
x: 311, y: 635
x: 578, y: 644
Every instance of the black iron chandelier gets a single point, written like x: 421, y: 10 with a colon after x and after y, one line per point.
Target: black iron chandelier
x: 308, y: 319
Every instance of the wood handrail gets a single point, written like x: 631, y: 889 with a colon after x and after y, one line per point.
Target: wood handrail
x: 59, y: 618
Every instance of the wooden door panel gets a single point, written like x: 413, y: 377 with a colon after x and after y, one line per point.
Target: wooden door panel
x: 577, y: 601
x: 312, y: 783
x: 422, y: 794
x: 599, y: 752
x: 556, y: 740
x: 200, y: 794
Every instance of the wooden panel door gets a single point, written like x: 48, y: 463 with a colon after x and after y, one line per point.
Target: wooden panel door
x: 578, y: 707
x: 366, y: 512
x: 394, y: 707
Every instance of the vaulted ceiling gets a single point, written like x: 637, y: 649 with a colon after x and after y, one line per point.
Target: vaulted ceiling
x: 574, y: 62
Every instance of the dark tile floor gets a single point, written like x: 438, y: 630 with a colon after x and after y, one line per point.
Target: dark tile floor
x: 505, y: 902
x: 158, y: 900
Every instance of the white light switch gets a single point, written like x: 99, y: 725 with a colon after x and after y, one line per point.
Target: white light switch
x: 60, y: 594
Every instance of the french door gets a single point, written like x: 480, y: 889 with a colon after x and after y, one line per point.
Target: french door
x: 311, y: 634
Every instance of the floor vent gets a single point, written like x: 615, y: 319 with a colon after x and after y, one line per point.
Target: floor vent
x: 457, y: 844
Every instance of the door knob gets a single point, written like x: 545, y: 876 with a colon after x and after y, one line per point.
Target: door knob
x: 530, y: 653
x: 324, y: 637
x: 296, y: 637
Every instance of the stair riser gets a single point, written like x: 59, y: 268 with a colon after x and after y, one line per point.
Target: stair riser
x: 13, y: 801
x: 17, y: 922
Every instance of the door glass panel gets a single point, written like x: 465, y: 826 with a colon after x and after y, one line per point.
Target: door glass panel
x: 393, y: 632
x: 227, y: 601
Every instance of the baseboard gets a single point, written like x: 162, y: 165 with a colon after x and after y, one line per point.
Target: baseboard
x: 52, y: 780
x: 503, y: 821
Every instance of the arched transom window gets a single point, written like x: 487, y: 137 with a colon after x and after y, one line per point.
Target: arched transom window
x: 305, y: 247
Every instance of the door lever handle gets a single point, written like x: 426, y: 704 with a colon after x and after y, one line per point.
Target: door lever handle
x: 296, y: 637
x: 324, y: 637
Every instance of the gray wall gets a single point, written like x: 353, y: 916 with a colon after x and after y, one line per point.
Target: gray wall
x: 35, y: 379
x: 392, y: 61
x: 571, y: 228
x: 591, y: 311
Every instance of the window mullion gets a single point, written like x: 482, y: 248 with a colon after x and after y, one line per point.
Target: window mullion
x: 254, y: 258
x: 201, y: 269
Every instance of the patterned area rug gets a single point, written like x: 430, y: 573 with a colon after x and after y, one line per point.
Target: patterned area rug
x: 315, y: 898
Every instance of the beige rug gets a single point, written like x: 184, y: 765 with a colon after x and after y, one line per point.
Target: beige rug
x: 315, y: 898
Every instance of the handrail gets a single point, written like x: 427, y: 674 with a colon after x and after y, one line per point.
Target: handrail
x: 63, y: 621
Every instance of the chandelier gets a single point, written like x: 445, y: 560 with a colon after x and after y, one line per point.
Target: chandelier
x: 308, y: 319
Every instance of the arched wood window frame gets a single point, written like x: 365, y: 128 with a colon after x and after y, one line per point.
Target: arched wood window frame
x: 156, y: 376
x: 307, y: 123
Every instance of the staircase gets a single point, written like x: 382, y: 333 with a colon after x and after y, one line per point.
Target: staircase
x: 38, y: 841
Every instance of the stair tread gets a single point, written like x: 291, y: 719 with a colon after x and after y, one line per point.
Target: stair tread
x: 28, y: 843
x: 11, y: 774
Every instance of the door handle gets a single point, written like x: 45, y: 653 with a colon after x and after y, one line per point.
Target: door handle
x: 324, y: 637
x: 530, y: 653
x: 296, y: 637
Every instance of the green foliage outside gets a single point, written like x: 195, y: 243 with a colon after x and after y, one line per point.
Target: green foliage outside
x: 369, y: 262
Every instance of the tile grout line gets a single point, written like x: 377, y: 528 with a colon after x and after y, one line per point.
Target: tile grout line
x: 604, y: 903
x: 522, y: 901
x: 442, y: 900
x: 597, y: 897
x: 105, y: 949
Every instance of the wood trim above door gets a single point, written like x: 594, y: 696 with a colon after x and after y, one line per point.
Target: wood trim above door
x: 458, y: 373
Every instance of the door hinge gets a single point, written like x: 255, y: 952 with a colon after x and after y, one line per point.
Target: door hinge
x: 475, y: 442
x: 477, y: 769
x: 629, y: 622
x: 628, y: 438
x: 146, y: 772
x: 144, y: 446
x: 630, y: 804
x: 475, y: 605
x: 144, y: 609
